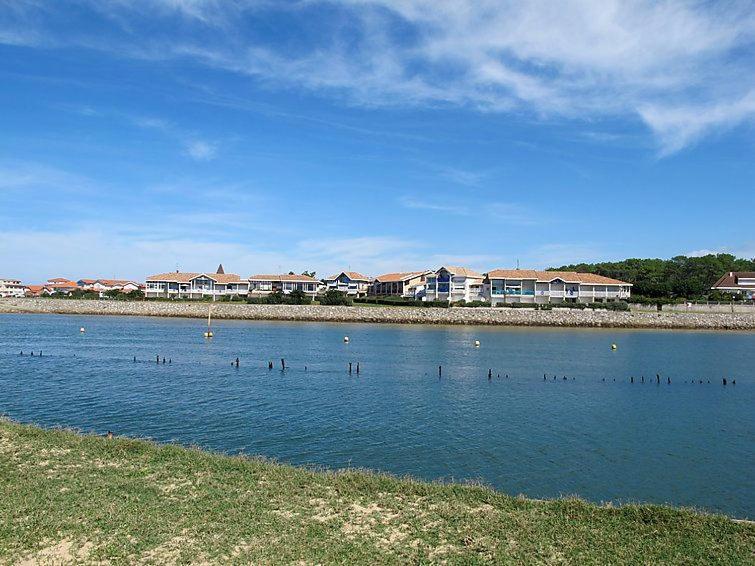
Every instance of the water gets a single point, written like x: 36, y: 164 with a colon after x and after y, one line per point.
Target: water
x: 684, y: 444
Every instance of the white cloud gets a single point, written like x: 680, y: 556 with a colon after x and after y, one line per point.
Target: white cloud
x: 745, y: 252
x: 201, y: 150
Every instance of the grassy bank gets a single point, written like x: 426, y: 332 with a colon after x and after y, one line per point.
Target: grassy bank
x: 66, y: 497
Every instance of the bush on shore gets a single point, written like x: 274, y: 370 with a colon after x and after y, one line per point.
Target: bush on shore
x: 332, y: 297
x: 401, y: 302
x: 295, y: 297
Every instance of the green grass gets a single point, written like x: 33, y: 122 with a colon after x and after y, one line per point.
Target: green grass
x: 66, y: 497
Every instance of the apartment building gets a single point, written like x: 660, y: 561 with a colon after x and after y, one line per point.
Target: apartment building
x: 261, y: 285
x: 352, y: 283
x: 192, y: 285
x: 11, y: 288
x: 452, y: 284
x: 530, y: 286
x: 60, y: 286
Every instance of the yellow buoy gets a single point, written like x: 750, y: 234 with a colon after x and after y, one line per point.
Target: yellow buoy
x: 613, y: 346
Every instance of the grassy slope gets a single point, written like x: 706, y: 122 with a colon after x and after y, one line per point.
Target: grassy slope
x: 65, y: 496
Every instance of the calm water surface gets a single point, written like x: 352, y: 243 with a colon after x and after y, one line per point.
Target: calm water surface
x: 685, y: 444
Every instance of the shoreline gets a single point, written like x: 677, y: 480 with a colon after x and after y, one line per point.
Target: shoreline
x: 137, y: 501
x: 482, y: 316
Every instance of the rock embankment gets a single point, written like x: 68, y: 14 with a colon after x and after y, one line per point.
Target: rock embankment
x: 400, y: 315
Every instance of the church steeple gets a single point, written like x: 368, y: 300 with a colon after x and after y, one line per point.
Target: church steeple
x: 220, y: 270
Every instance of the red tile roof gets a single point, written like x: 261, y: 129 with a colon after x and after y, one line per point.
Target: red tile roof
x: 731, y: 280
x: 544, y: 276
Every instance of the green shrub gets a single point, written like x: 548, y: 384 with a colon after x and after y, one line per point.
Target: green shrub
x: 332, y: 297
x: 298, y: 297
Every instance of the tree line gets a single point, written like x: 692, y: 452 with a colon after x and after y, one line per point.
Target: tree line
x: 679, y: 277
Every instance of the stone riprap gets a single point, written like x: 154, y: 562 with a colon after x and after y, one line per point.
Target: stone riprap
x: 400, y: 315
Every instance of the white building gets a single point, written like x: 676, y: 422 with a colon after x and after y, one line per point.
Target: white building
x: 191, y: 285
x: 454, y: 284
x: 530, y: 286
x: 352, y: 283
x: 11, y: 288
x: 738, y: 283
x: 102, y: 286
x: 261, y: 285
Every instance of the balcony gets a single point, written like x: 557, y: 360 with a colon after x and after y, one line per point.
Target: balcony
x: 513, y: 292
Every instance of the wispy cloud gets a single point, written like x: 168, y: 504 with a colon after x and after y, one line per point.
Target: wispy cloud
x: 502, y: 211
x: 433, y: 205
x: 201, y: 150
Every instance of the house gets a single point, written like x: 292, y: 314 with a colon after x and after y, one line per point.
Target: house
x: 350, y: 282
x: 37, y: 291
x: 737, y: 282
x: 402, y: 284
x: 192, y: 285
x: 11, y: 288
x: 60, y: 286
x: 261, y: 285
x: 102, y: 286
x: 453, y: 284
x: 530, y: 286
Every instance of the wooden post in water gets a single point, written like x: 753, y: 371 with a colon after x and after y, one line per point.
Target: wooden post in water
x: 283, y: 364
x: 440, y: 371
x: 357, y: 368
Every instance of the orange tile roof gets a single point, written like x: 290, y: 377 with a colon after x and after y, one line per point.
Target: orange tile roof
x: 61, y: 284
x: 544, y: 276
x: 353, y: 275
x: 36, y: 289
x: 399, y: 276
x: 283, y: 277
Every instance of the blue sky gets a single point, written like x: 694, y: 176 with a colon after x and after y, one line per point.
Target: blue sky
x: 140, y: 136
